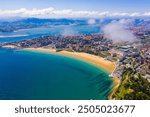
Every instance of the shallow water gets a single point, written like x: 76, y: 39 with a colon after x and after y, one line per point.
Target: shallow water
x: 34, y: 75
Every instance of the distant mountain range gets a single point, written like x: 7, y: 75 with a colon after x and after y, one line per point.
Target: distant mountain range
x: 19, y: 23
x: 8, y: 26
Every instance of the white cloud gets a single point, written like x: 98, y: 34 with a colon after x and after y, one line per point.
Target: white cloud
x: 147, y: 14
x: 56, y: 13
x: 126, y: 21
x: 91, y: 21
x: 117, y: 31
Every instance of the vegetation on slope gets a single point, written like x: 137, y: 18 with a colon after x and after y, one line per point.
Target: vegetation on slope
x: 132, y: 87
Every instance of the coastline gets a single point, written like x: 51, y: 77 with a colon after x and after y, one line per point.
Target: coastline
x: 116, y: 83
x: 9, y: 46
x: 100, y: 62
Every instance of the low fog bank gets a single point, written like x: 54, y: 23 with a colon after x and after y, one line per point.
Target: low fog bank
x: 118, y: 31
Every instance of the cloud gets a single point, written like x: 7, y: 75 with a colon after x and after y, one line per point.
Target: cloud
x: 118, y: 32
x: 126, y: 21
x: 57, y: 13
x: 68, y: 30
x: 91, y: 21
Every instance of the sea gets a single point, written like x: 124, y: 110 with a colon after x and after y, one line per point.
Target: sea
x: 25, y: 34
x: 29, y: 75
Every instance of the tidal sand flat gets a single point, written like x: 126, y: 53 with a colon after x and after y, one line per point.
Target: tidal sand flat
x: 36, y: 75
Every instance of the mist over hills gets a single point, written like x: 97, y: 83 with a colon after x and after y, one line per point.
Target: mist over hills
x: 8, y: 26
x: 13, y: 24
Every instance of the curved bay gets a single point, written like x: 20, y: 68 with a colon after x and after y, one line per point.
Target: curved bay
x: 34, y: 75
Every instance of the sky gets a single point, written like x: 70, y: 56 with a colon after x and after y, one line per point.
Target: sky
x: 128, y: 7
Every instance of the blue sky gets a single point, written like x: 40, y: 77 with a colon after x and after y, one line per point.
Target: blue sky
x: 96, y: 5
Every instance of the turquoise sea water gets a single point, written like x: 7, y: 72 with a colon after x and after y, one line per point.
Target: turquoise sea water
x: 34, y: 75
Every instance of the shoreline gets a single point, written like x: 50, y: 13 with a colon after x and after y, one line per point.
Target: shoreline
x: 9, y: 46
x: 116, y: 83
x: 100, y: 62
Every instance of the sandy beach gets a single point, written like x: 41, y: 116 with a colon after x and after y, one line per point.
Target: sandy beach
x: 100, y: 62
x: 9, y: 46
x: 95, y: 60
x: 106, y: 65
x: 116, y: 84
x: 41, y: 50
